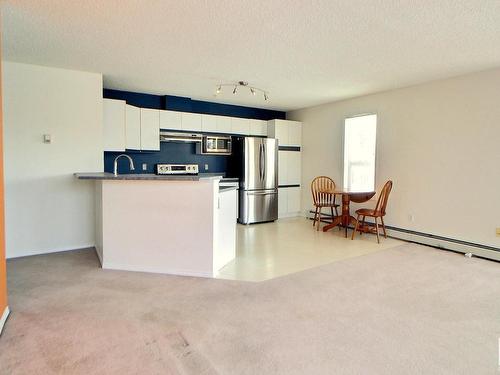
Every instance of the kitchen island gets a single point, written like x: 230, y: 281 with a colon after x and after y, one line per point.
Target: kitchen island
x: 182, y: 225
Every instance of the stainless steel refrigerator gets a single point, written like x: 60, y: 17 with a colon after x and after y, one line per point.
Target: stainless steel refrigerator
x: 258, y: 194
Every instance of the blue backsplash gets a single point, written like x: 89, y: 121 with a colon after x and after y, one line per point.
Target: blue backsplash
x: 179, y: 153
x: 170, y: 153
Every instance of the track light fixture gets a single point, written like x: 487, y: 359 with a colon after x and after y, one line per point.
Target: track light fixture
x: 239, y: 84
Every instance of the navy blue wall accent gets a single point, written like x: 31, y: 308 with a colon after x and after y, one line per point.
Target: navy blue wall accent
x: 170, y: 153
x: 137, y: 99
x: 178, y: 103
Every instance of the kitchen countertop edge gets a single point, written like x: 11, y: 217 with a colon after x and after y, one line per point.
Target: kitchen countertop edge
x: 111, y: 176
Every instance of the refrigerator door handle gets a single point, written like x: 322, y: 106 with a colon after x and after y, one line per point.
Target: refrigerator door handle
x: 262, y: 192
x: 261, y: 172
x: 265, y: 164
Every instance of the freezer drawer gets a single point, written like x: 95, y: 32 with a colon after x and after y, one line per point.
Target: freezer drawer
x: 258, y: 206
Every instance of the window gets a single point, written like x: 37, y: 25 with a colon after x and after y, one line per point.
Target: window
x: 360, y: 135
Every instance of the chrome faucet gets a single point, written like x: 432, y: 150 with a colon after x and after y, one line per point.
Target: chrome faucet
x: 116, y: 163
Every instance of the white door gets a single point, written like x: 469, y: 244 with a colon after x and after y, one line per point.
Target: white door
x: 150, y: 129
x: 294, y: 133
x: 283, y: 168
x: 132, y: 127
x: 258, y: 127
x: 281, y: 132
x: 170, y: 120
x: 293, y: 200
x: 114, y: 124
x: 282, y: 201
x: 223, y: 124
x: 191, y: 121
x: 293, y: 167
x: 209, y: 123
x: 240, y: 126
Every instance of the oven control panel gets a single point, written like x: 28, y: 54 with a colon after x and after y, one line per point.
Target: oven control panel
x: 176, y: 168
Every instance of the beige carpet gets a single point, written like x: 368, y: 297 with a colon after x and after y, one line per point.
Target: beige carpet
x: 406, y: 310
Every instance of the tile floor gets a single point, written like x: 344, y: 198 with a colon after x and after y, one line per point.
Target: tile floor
x: 266, y: 251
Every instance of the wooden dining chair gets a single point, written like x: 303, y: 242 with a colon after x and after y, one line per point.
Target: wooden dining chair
x: 321, y: 199
x: 378, y: 212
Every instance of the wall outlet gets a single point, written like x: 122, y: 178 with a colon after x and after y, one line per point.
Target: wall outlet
x: 144, y: 166
x: 498, y: 232
x: 206, y: 167
x: 411, y: 217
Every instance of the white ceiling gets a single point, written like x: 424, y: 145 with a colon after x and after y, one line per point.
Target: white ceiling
x: 303, y: 52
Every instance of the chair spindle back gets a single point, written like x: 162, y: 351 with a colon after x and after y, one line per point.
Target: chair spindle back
x: 384, y: 197
x: 322, y: 183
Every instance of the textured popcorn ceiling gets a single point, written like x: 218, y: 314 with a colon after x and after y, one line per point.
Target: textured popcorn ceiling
x: 303, y: 52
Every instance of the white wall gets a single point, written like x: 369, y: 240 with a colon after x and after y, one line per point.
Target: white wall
x: 440, y: 144
x: 47, y: 209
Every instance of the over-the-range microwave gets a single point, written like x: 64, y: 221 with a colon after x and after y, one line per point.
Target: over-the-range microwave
x: 216, y: 145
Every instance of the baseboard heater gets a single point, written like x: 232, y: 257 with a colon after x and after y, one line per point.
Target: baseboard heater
x: 440, y: 242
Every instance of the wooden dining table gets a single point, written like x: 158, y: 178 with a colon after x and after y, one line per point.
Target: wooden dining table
x: 348, y: 196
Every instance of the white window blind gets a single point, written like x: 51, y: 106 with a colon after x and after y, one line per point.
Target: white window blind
x: 360, y: 138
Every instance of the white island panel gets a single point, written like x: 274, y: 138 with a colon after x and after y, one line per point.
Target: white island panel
x: 159, y: 226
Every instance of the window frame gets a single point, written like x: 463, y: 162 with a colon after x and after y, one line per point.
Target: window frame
x: 344, y: 185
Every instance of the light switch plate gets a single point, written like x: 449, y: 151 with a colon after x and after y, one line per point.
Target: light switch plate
x: 144, y: 166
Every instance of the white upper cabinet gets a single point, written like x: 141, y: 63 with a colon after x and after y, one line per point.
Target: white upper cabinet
x: 288, y: 133
x: 191, y: 121
x: 150, y: 129
x: 170, y: 120
x: 240, y: 126
x: 258, y: 127
x: 114, y: 124
x: 294, y: 133
x: 209, y: 123
x: 132, y: 127
x: 223, y: 124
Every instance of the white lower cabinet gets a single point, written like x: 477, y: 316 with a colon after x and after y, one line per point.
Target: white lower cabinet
x: 293, y: 200
x: 288, y: 201
x: 282, y: 202
x: 225, y: 229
